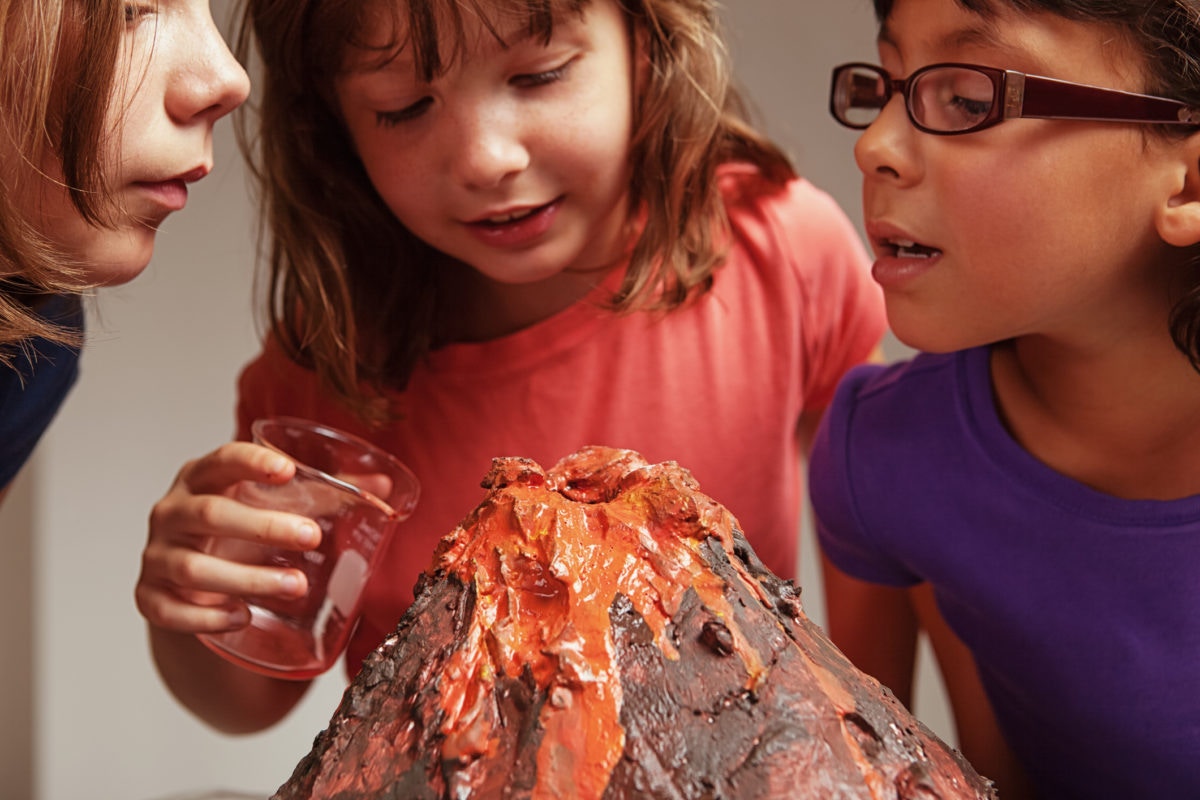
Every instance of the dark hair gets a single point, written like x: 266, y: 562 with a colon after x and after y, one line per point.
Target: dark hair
x: 362, y: 320
x: 1167, y: 32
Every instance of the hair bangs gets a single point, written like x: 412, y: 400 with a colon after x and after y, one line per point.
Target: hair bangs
x: 434, y: 32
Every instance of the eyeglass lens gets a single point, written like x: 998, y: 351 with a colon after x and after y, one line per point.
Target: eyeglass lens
x: 951, y: 99
x: 944, y: 99
x: 859, y: 94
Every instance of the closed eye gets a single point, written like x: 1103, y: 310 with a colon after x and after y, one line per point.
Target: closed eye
x: 971, y: 107
x: 390, y: 119
x: 533, y: 80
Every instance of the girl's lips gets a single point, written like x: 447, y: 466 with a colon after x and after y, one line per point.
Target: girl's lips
x: 519, y: 232
x: 171, y: 194
x: 892, y: 271
x: 900, y: 258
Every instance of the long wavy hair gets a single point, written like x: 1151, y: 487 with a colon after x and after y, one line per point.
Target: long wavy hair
x: 57, y: 65
x: 1167, y: 32
x: 352, y: 294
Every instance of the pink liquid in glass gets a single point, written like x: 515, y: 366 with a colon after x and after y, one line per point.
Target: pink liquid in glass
x: 303, y: 637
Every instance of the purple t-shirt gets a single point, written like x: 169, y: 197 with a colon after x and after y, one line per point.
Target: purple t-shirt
x: 1082, y: 609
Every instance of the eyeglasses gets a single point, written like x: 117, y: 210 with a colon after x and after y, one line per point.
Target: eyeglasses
x: 949, y: 99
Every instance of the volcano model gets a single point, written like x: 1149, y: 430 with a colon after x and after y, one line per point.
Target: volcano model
x: 604, y: 630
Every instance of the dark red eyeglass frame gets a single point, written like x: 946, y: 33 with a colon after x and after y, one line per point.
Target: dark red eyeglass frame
x: 1017, y: 94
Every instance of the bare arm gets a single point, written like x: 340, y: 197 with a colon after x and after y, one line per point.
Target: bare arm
x: 182, y: 590
x: 874, y: 626
x: 227, y: 697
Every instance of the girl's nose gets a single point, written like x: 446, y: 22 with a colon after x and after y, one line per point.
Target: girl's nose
x: 210, y: 82
x: 885, y: 149
x: 489, y: 146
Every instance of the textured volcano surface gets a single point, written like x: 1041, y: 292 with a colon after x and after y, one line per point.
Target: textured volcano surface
x: 604, y: 630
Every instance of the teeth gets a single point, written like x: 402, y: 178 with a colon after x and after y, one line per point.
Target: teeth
x: 510, y: 217
x: 906, y: 248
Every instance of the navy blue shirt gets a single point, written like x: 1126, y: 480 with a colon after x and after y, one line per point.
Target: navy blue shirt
x: 33, y: 389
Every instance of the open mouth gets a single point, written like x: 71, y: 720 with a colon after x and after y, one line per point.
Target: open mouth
x: 515, y: 216
x: 904, y: 248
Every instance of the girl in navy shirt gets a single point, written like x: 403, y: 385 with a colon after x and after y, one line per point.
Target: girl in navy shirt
x: 91, y: 163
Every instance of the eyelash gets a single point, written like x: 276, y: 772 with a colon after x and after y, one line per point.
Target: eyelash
x: 390, y: 119
x: 135, y: 11
x: 544, y: 78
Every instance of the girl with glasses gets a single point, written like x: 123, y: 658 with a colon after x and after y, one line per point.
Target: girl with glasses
x: 1031, y: 479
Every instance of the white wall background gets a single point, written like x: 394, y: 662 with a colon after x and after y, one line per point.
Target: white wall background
x: 82, y: 714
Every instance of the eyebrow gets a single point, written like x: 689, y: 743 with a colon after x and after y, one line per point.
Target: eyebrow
x: 982, y: 34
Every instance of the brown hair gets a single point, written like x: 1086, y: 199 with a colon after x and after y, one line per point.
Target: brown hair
x: 330, y: 290
x: 57, y: 63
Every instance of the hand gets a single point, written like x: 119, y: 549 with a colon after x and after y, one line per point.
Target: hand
x: 182, y: 587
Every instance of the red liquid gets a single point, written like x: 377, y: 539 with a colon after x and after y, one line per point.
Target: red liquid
x: 269, y: 641
x: 302, y: 638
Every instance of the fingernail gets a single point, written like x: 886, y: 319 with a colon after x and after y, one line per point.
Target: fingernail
x: 239, y: 618
x: 307, y: 534
x: 277, y: 465
x: 290, y: 583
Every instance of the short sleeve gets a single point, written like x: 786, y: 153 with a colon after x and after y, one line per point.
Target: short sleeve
x: 843, y: 536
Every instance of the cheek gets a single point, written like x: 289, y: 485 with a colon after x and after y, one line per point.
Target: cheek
x: 596, y: 152
x: 400, y: 182
x: 1044, y: 206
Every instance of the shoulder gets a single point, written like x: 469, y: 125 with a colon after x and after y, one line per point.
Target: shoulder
x: 796, y: 232
x: 751, y: 198
x: 872, y: 460
x: 34, y: 387
x: 274, y: 384
x: 915, y: 375
x: 796, y: 235
x: 902, y: 394
x: 889, y: 414
x: 272, y: 371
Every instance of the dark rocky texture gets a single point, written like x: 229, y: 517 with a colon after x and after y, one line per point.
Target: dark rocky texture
x: 604, y: 630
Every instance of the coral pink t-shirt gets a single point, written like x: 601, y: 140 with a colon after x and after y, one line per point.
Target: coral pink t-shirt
x: 718, y: 386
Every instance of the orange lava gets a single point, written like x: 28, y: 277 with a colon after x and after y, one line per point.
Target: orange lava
x: 546, y: 569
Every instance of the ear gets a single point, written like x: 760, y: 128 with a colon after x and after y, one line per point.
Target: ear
x: 1178, y: 219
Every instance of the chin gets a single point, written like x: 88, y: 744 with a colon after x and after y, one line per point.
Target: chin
x: 120, y: 260
x: 929, y: 340
x: 920, y: 335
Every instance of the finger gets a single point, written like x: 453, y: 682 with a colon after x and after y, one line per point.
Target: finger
x: 189, y: 571
x: 376, y: 483
x: 233, y: 462
x: 164, y: 609
x: 192, y: 519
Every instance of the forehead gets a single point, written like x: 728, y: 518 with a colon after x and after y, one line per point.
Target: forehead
x: 1042, y: 42
x: 431, y: 35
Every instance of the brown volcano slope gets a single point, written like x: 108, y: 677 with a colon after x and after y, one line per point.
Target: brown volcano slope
x: 604, y: 630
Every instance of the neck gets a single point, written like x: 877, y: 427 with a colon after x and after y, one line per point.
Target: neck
x: 1123, y: 418
x: 485, y: 309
